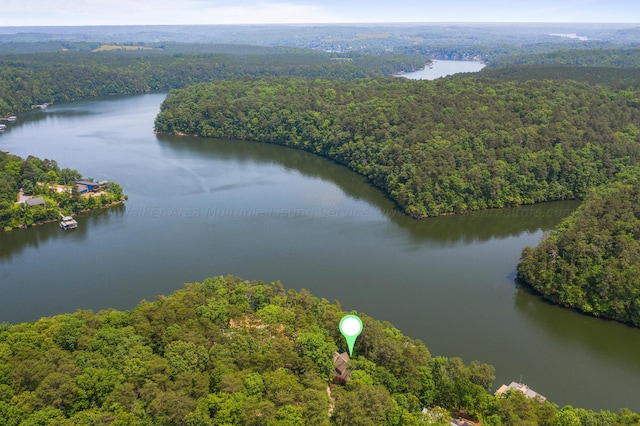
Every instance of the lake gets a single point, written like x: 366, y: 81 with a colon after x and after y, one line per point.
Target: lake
x: 442, y: 68
x: 205, y: 207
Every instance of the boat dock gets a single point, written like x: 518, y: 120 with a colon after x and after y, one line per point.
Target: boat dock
x: 68, y: 222
x: 10, y: 119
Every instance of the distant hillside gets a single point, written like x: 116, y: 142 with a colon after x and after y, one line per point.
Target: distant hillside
x: 442, y: 40
x: 615, y: 67
x: 33, y: 79
x: 609, y: 76
x: 628, y: 57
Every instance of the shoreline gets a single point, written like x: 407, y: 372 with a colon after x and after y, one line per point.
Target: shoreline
x: 115, y: 203
x: 418, y: 217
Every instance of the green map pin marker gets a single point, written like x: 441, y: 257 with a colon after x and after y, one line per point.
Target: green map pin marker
x: 350, y: 327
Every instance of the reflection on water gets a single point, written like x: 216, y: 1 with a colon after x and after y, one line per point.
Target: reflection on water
x: 590, y: 333
x: 488, y: 224
x: 476, y: 226
x: 14, y: 242
x: 602, y: 354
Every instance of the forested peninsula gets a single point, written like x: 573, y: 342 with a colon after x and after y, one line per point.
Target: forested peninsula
x: 52, y: 191
x: 592, y: 261
x: 227, y: 351
x: 441, y: 147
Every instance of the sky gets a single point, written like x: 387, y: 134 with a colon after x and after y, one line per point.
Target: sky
x: 214, y: 12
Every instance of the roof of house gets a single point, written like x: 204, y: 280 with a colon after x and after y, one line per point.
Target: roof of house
x: 528, y: 392
x: 88, y: 183
x: 37, y: 201
x: 340, y: 366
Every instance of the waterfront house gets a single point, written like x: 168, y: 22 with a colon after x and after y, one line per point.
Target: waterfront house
x: 86, y: 186
x: 341, y: 373
x: 36, y: 201
x: 528, y: 392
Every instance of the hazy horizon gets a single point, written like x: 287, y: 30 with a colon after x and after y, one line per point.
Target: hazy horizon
x: 35, y: 13
x: 363, y: 24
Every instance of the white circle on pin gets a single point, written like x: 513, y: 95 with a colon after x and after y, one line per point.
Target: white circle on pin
x: 351, y: 326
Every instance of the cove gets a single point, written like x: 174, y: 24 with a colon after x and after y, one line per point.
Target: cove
x: 204, y: 207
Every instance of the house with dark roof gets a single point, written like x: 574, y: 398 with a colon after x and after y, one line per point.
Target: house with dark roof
x: 341, y: 372
x: 85, y: 186
x: 37, y: 201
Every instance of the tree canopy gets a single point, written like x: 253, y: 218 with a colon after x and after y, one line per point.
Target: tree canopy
x: 619, y: 57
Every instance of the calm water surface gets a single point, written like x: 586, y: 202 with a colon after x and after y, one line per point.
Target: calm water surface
x: 443, y: 69
x: 200, y: 208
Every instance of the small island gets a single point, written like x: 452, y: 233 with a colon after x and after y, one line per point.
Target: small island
x: 35, y: 191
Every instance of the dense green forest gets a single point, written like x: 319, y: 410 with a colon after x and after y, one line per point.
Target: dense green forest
x: 39, y: 178
x: 617, y: 78
x: 592, y: 261
x: 227, y: 351
x: 617, y: 68
x: 627, y: 57
x: 34, y: 79
x: 440, y: 147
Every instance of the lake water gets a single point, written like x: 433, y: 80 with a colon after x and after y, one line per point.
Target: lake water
x: 441, y: 68
x: 200, y: 208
